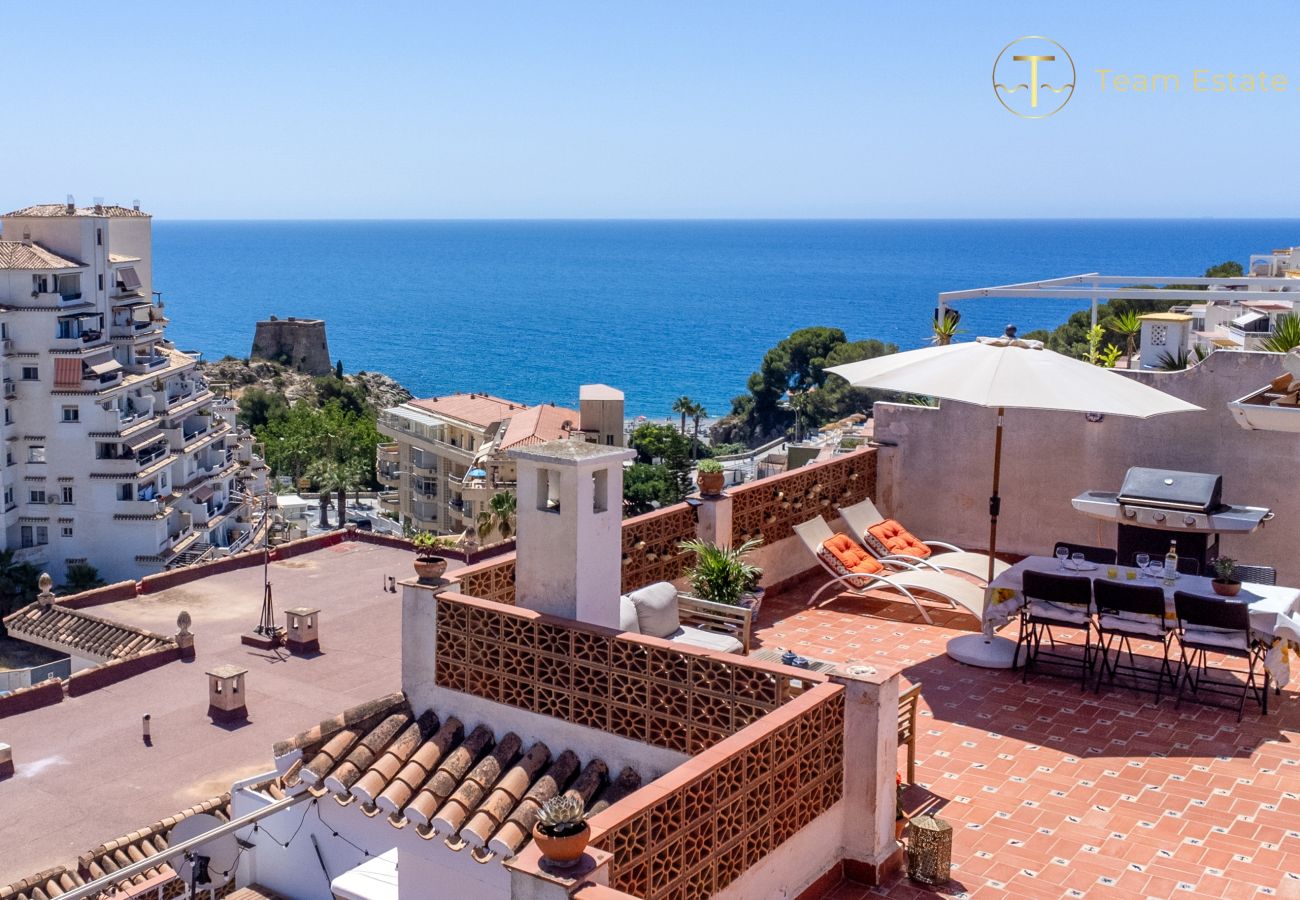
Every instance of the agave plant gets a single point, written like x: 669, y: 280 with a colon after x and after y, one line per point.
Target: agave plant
x: 562, y: 816
x: 1285, y: 336
x: 1173, y: 360
x: 1128, y: 326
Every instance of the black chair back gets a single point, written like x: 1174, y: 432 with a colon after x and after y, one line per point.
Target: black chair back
x: 1255, y: 574
x: 1186, y: 564
x: 1116, y: 597
x: 1102, y: 556
x: 1193, y: 609
x: 1071, y: 590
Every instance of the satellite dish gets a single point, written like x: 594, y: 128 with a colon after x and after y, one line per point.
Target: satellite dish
x: 221, y: 852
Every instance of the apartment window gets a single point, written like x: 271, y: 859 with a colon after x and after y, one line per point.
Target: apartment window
x: 101, y: 282
x: 71, y: 414
x: 9, y: 496
x: 40, y: 284
x: 31, y: 373
x: 36, y: 454
x: 609, y: 439
x: 128, y: 279
x: 69, y: 286
x: 35, y: 536
x: 36, y: 496
x: 9, y: 416
x: 67, y: 531
x: 99, y: 237
x: 9, y: 457
x: 126, y: 492
x: 67, y: 494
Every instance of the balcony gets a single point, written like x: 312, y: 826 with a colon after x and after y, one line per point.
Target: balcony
x: 151, y: 454
x: 7, y: 346
x: 10, y: 389
x: 155, y: 507
x: 139, y: 365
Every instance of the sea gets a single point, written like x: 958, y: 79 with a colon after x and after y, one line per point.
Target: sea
x: 530, y: 310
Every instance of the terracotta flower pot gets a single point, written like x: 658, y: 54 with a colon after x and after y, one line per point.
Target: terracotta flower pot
x: 562, y: 852
x: 711, y: 483
x: 1226, y: 588
x: 430, y: 568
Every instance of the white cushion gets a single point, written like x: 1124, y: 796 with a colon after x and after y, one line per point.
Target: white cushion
x: 1216, y: 637
x: 656, y: 609
x: 707, y: 640
x: 627, y: 618
x: 1057, y: 612
x: 1133, y: 623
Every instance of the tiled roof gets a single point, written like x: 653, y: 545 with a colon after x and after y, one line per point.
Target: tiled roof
x: 537, y: 425
x: 55, y: 210
x: 21, y: 255
x: 477, y: 409
x: 81, y: 633
x: 475, y: 789
x: 108, y: 858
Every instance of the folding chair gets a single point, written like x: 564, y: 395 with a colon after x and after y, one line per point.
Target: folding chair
x: 1216, y: 625
x: 1124, y: 612
x: 1055, y: 601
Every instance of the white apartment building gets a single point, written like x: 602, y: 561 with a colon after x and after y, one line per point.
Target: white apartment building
x: 115, y: 451
x: 448, y: 455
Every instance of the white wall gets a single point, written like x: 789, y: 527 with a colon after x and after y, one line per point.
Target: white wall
x: 937, y: 480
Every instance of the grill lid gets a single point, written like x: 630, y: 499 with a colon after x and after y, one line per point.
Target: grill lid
x: 1194, y: 491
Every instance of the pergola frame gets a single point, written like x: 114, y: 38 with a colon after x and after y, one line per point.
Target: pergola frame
x: 1092, y: 287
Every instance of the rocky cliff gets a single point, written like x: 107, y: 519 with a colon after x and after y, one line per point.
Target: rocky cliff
x: 380, y: 390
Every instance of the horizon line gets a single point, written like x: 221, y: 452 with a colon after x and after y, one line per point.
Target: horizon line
x: 597, y: 219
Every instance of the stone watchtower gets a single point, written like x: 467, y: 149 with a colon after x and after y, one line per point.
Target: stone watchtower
x: 570, y: 511
x: 299, y: 344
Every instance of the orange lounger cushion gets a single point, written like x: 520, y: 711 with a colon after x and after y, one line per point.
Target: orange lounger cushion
x: 847, y: 558
x: 892, y: 538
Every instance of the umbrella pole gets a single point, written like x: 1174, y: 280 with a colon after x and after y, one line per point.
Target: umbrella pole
x: 995, y: 502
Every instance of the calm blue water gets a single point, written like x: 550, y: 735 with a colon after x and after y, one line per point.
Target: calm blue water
x: 530, y: 310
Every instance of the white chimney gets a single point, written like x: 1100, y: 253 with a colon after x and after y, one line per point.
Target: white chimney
x: 569, y: 537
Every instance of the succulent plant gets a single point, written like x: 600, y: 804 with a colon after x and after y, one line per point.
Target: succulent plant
x: 1224, y: 566
x: 709, y: 467
x: 562, y: 816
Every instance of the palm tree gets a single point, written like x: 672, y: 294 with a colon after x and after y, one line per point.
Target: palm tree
x: 683, y: 405
x: 697, y: 412
x: 1128, y: 326
x: 336, y: 476
x: 499, y: 516
x: 1285, y: 336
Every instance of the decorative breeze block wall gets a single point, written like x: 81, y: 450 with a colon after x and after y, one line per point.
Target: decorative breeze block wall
x: 771, y: 507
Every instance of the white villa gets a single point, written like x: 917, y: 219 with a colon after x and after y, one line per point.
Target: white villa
x: 115, y: 452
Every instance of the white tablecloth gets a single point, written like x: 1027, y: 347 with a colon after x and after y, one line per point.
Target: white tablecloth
x: 1274, y: 609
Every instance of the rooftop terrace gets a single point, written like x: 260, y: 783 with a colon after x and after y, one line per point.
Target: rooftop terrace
x: 61, y: 751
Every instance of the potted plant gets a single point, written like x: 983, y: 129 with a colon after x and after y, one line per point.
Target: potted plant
x: 721, y: 574
x: 900, y: 817
x: 709, y: 476
x: 561, y: 830
x: 429, y: 566
x: 1224, y: 584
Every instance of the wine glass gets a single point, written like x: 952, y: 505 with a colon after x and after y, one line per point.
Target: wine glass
x: 1143, y: 560
x: 1077, y: 559
x: 1062, y: 554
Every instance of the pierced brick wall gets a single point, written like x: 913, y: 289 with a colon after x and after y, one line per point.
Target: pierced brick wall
x: 650, y: 545
x: 695, y: 830
x: 494, y: 580
x: 770, y: 507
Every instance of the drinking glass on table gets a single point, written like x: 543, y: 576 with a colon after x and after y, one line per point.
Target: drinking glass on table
x: 1077, y: 559
x: 1143, y: 560
x: 1062, y: 554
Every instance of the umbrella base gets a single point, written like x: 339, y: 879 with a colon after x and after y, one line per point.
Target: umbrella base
x: 983, y: 651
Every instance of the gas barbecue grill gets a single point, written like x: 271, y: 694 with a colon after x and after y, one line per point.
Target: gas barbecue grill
x: 1154, y: 506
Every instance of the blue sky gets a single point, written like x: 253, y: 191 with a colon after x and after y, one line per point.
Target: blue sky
x: 636, y: 108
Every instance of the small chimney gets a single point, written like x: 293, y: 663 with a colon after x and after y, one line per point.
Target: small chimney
x: 99, y: 206
x: 302, y: 629
x: 135, y: 205
x: 72, y: 205
x: 226, y: 702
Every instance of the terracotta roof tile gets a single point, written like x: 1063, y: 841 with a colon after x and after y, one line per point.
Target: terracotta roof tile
x: 478, y: 790
x: 81, y: 633
x: 56, y: 210
x: 537, y: 425
x: 477, y: 409
x: 22, y: 255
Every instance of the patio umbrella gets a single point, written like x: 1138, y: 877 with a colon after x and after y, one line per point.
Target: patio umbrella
x: 1009, y: 373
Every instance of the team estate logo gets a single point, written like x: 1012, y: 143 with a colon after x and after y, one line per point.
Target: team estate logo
x: 1033, y: 77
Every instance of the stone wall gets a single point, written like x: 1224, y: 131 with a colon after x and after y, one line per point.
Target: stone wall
x: 298, y: 343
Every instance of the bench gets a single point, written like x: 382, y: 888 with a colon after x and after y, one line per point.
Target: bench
x: 658, y: 610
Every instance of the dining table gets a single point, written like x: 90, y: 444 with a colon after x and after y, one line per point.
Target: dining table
x: 1274, y: 609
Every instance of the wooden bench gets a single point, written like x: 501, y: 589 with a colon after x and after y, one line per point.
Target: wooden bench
x: 908, y: 703
x: 737, y: 621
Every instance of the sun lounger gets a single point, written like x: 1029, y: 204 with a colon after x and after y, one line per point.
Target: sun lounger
x: 855, y: 570
x: 891, y: 543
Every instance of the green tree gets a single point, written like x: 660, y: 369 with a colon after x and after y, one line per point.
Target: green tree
x: 498, y: 517
x: 645, y: 485
x: 664, y: 445
x: 258, y: 407
x: 17, y: 582
x: 305, y: 438
x: 338, y: 370
x: 697, y: 412
x: 683, y: 405
x: 1229, y: 269
x: 81, y: 577
x: 351, y: 397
